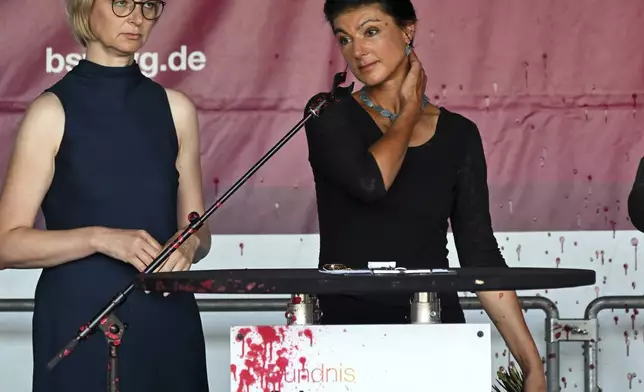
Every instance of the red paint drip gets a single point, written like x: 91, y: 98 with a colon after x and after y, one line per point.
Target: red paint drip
x: 215, y: 182
x: 241, y: 337
x: 635, y: 243
x: 241, y: 248
x: 309, y: 335
x: 233, y: 370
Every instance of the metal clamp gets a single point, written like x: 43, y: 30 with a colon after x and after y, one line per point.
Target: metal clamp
x: 425, y: 308
x: 303, y: 309
x: 567, y: 330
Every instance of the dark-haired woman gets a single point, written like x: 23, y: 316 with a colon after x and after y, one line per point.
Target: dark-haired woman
x: 636, y: 199
x: 390, y: 169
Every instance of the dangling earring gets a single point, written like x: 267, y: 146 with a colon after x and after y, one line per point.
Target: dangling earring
x: 408, y: 49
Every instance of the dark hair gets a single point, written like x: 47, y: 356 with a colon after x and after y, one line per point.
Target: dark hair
x: 401, y: 10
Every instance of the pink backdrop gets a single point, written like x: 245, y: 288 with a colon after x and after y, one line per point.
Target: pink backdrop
x: 555, y: 87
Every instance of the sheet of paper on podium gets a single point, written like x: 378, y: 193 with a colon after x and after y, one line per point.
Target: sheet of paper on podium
x: 361, y: 358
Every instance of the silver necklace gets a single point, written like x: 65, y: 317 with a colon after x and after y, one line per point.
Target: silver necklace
x: 384, y: 112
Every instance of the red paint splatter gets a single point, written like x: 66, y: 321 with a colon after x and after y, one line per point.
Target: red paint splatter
x: 635, y: 243
x: 233, y: 370
x: 562, y: 239
x: 625, y: 269
x: 215, y: 183
x: 630, y: 377
x: 616, y: 319
x: 267, y: 359
x: 557, y: 261
x: 596, y: 291
x: 207, y: 284
x: 241, y: 248
x: 309, y: 335
x: 564, y: 381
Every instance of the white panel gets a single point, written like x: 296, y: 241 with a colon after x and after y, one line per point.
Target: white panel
x: 363, y: 358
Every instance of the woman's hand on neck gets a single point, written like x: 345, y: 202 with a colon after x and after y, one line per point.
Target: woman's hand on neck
x: 387, y: 93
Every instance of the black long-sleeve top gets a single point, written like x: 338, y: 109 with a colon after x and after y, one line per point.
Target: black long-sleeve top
x: 444, y: 179
x: 636, y: 199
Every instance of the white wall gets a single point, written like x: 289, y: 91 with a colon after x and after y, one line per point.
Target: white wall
x: 580, y: 250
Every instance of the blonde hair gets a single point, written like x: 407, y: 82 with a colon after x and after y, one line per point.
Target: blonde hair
x: 78, y: 15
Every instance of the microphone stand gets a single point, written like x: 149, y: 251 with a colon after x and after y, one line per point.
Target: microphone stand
x: 107, y: 321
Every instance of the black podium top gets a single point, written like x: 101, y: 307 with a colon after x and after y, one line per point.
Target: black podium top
x: 313, y: 281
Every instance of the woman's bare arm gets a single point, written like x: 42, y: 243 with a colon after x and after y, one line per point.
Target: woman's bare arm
x: 190, y: 195
x: 29, y: 175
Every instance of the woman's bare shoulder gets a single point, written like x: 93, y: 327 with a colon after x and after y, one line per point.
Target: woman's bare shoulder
x: 44, y: 121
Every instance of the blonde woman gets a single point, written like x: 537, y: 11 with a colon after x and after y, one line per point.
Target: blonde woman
x: 112, y: 158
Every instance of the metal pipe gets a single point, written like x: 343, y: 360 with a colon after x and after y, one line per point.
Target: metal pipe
x: 552, y: 348
x: 15, y: 305
x: 243, y: 304
x: 280, y: 305
x: 590, y: 347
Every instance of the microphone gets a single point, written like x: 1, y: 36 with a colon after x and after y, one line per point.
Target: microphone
x: 336, y: 94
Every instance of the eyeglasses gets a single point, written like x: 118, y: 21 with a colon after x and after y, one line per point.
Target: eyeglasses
x: 151, y: 9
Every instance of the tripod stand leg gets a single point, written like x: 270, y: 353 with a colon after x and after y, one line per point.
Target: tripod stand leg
x: 113, y: 330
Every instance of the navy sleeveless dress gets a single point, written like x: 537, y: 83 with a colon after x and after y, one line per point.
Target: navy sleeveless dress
x: 115, y: 168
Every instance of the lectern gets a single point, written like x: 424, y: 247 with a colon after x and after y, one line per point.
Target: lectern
x: 303, y: 355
